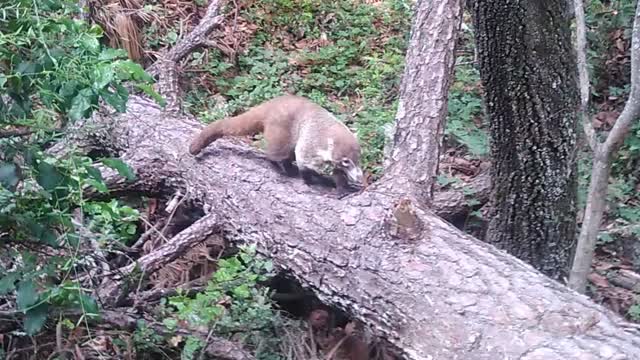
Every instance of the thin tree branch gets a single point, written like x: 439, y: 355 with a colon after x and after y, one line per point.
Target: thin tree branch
x: 583, y: 74
x: 15, y: 133
x: 632, y: 107
x: 601, y: 169
x: 197, y: 37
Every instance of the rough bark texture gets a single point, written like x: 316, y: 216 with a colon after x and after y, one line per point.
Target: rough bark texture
x: 455, y: 202
x: 528, y: 69
x: 422, y: 107
x: 444, y: 295
x: 440, y: 295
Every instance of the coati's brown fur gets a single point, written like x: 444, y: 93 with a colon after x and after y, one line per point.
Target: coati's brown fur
x: 296, y: 129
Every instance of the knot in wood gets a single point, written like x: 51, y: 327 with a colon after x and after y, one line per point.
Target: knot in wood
x: 404, y: 222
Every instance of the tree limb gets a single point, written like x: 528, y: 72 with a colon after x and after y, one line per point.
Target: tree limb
x: 583, y: 73
x: 602, y: 157
x: 197, y: 37
x: 422, y: 108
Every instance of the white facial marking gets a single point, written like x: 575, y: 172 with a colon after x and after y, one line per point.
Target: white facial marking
x: 355, y: 174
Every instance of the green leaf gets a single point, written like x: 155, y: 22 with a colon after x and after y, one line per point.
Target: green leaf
x: 9, y: 175
x: 148, y: 89
x: 89, y: 305
x: 129, y: 69
x: 120, y: 166
x: 117, y: 100
x: 111, y: 54
x: 94, y: 174
x: 48, y: 176
x: 35, y: 318
x: 103, y: 75
x: 3, y: 80
x: 170, y: 323
x: 81, y: 103
x: 242, y: 291
x: 90, y: 42
x: 41, y: 233
x: 7, y: 283
x: 26, y: 295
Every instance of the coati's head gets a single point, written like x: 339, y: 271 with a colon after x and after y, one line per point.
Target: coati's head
x: 346, y: 159
x: 352, y: 171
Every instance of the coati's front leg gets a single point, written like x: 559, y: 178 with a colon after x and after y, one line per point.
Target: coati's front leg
x: 312, y: 177
x: 283, y: 161
x: 342, y: 185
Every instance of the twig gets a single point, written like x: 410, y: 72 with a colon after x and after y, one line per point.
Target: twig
x: 15, y: 133
x: 583, y: 75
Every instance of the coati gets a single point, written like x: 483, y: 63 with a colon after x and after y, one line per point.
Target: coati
x: 296, y: 129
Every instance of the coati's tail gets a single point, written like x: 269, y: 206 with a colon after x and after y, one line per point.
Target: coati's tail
x: 247, y: 123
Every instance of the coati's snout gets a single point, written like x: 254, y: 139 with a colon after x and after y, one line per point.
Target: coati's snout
x: 352, y: 171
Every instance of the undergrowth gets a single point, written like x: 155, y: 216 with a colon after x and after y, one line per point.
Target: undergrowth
x: 54, y: 71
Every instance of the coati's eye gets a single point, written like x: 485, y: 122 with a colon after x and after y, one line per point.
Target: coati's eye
x: 345, y: 162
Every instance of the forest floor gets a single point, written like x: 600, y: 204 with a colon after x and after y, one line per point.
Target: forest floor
x: 348, y: 56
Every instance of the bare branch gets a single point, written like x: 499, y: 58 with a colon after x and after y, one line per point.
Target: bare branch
x: 601, y: 168
x: 15, y: 133
x: 583, y: 74
x: 177, y: 246
x: 197, y: 37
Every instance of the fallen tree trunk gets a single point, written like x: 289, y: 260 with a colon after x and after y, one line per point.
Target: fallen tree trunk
x: 443, y: 295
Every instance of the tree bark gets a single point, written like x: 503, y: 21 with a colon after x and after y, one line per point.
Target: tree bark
x: 603, y: 154
x: 528, y: 69
x: 444, y: 295
x: 422, y: 107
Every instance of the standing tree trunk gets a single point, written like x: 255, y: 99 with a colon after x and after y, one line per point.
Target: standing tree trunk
x: 528, y: 69
x: 422, y: 109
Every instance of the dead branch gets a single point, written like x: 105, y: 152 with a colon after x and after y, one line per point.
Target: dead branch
x: 196, y: 38
x: 583, y: 73
x: 147, y: 264
x: 15, y: 133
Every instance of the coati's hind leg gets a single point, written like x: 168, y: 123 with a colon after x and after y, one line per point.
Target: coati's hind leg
x: 279, y: 150
x: 285, y: 165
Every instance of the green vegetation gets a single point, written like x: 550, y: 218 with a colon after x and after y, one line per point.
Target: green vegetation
x: 54, y: 71
x: 347, y: 56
